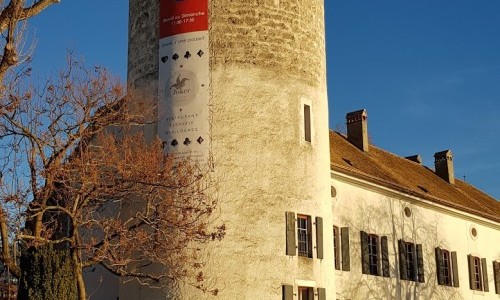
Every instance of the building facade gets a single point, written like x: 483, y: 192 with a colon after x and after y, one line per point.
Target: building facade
x: 412, y: 232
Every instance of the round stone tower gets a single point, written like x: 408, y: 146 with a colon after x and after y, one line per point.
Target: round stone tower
x: 267, y: 145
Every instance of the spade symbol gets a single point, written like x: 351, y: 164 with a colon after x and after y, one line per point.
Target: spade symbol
x: 175, y: 57
x: 174, y: 143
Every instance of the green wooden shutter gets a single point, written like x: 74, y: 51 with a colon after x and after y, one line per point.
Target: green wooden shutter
x: 287, y: 291
x: 385, y: 257
x: 420, y: 264
x: 484, y: 270
x: 291, y: 246
x: 470, y: 262
x: 321, y: 294
x: 454, y: 261
x: 402, y: 260
x: 496, y: 276
x: 319, y: 237
x: 365, y: 258
x: 439, y: 266
x: 346, y: 260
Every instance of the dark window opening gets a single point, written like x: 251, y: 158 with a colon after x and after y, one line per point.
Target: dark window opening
x: 373, y: 253
x: 304, y: 235
x: 307, y: 123
x: 306, y: 293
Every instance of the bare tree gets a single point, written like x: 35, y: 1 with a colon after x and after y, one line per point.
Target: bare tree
x: 82, y: 177
x: 12, y: 15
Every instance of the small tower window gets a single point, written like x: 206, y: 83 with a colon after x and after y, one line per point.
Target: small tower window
x: 307, y: 123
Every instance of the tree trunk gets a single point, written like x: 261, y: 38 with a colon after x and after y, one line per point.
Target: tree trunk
x: 47, y: 272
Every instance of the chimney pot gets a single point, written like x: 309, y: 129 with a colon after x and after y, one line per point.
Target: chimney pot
x: 443, y: 163
x: 357, y: 129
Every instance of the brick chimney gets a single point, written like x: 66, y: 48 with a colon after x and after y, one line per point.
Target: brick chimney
x: 443, y: 163
x: 357, y: 129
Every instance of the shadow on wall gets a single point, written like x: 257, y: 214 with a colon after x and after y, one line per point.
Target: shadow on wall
x: 389, y: 220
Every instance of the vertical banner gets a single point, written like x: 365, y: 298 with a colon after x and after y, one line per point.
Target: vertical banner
x: 183, y: 114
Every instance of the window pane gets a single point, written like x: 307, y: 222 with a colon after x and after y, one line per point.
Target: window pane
x: 410, y: 261
x: 304, y: 235
x: 373, y: 254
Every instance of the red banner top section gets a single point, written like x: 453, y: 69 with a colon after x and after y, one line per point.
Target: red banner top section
x: 183, y: 16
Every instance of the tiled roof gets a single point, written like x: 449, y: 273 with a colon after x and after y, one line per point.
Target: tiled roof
x: 398, y: 173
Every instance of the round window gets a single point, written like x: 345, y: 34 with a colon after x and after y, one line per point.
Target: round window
x: 333, y: 192
x: 473, y: 232
x: 407, y: 212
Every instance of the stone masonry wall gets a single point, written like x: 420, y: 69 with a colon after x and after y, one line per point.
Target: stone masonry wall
x: 284, y: 35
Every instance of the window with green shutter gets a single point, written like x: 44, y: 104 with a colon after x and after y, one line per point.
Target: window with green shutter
x: 411, y: 261
x: 446, y: 267
x: 478, y: 273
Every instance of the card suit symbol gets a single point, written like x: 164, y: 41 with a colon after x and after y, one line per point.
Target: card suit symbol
x: 164, y: 59
x: 187, y: 55
x: 200, y: 140
x: 200, y: 53
x: 187, y: 142
x: 175, y: 57
x: 174, y: 143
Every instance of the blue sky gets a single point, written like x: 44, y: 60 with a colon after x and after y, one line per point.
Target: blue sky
x: 427, y: 71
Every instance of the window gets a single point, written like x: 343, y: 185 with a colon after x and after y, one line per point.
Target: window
x: 477, y: 285
x: 306, y: 293
x: 411, y: 263
x: 307, y: 123
x: 374, y: 256
x: 304, y: 235
x: 299, y: 235
x: 373, y: 252
x: 336, y: 247
x: 409, y: 249
x: 478, y: 273
x: 446, y: 267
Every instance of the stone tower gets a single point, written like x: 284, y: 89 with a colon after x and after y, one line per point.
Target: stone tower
x: 261, y: 94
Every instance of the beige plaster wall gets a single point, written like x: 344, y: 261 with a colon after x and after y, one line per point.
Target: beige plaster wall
x: 376, y: 210
x: 267, y: 60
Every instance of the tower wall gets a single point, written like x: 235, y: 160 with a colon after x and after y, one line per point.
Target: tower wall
x: 267, y: 60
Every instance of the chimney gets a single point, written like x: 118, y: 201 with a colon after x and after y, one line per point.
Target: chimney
x: 443, y: 163
x: 357, y: 129
x: 416, y: 158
